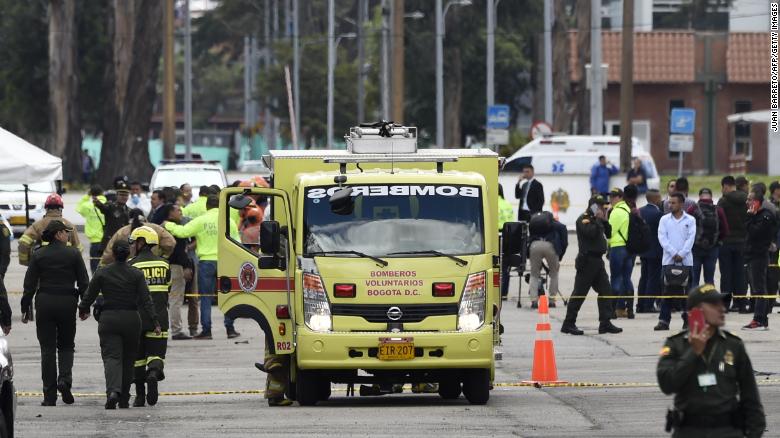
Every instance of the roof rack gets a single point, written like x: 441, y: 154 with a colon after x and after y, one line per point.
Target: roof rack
x: 382, y: 138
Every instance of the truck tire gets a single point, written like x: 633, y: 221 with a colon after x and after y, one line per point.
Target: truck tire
x: 476, y: 386
x: 324, y: 386
x: 307, y: 387
x: 290, y: 392
x: 449, y: 389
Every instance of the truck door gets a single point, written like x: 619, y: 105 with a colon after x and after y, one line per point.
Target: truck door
x: 256, y: 263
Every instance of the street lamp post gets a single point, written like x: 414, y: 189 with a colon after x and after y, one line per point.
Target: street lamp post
x: 440, y: 16
x: 333, y: 45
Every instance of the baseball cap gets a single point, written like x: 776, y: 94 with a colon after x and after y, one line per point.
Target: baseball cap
x: 597, y: 199
x: 705, y: 191
x: 57, y: 226
x: 616, y: 191
x: 705, y: 293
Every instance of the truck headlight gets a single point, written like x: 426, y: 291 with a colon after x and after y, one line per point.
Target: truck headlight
x: 316, y: 308
x: 471, y: 315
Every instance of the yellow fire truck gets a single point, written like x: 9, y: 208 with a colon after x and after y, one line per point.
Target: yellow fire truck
x: 379, y: 264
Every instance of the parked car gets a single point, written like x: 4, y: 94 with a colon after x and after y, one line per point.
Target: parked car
x: 7, y: 391
x: 12, y: 203
x: 195, y: 173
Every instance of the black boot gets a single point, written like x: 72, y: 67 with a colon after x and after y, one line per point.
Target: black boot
x: 112, y: 400
x: 124, y: 399
x: 151, y: 383
x: 140, y: 395
x: 571, y: 329
x: 64, y: 388
x: 608, y: 327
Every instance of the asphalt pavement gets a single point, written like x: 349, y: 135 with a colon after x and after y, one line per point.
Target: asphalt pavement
x: 212, y: 388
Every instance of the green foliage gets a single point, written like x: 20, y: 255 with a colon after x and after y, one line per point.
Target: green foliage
x: 24, y: 91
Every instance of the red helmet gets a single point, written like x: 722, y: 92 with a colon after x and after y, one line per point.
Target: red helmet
x: 53, y: 201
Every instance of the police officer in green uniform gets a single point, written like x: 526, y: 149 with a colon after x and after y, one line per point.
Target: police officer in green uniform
x: 593, y: 230
x: 152, y: 346
x: 709, y: 372
x: 50, y: 278
x: 124, y: 289
x: 5, y: 259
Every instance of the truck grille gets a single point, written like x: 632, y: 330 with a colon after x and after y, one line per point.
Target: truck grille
x: 378, y: 312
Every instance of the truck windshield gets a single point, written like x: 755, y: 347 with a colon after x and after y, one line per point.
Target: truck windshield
x: 398, y: 219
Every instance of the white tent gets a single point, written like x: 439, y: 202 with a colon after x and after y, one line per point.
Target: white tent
x: 24, y: 163
x: 773, y: 139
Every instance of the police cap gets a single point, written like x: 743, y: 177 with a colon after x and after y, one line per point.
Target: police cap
x: 705, y: 293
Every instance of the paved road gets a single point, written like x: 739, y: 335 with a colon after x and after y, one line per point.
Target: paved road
x: 628, y: 404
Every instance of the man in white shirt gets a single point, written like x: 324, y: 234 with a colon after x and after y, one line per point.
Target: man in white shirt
x: 676, y: 234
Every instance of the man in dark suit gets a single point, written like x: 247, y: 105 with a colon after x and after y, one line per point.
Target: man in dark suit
x: 649, y: 281
x: 530, y: 194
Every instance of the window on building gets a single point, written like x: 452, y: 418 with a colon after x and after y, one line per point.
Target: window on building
x: 674, y: 103
x: 641, y: 130
x: 742, y: 141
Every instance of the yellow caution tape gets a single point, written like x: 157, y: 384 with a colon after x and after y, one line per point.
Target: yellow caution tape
x: 767, y: 382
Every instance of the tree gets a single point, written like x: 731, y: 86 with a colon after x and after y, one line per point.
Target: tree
x: 65, y: 119
x: 129, y: 87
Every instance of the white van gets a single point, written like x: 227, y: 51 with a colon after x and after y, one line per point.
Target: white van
x: 563, y: 164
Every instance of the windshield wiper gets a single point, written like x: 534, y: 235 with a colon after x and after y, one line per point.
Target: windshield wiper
x: 378, y: 261
x: 457, y: 260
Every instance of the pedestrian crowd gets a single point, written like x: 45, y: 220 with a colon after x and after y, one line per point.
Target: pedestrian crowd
x: 149, y: 255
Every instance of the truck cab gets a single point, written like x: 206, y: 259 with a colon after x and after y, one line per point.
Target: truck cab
x: 379, y: 265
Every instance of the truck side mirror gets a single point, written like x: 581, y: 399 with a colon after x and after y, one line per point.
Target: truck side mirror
x: 270, y: 242
x: 341, y: 202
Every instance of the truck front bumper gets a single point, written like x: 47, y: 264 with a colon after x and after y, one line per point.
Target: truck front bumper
x: 358, y: 350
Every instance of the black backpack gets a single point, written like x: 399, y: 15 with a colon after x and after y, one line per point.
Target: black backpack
x: 540, y: 224
x: 707, y: 227
x: 638, y: 239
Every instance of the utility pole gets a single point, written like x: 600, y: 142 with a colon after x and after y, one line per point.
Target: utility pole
x: 296, y: 71
x: 331, y: 66
x: 248, y: 82
x: 548, y: 93
x: 439, y: 75
x: 491, y: 35
x: 169, y: 84
x: 268, y: 124
x: 596, y: 92
x: 385, y: 62
x: 627, y: 86
x: 398, y: 61
x: 361, y: 55
x: 187, y: 81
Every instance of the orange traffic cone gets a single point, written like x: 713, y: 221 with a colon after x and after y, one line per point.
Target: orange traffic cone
x: 544, y: 368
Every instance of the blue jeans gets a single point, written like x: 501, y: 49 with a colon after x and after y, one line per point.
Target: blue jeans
x: 621, y: 263
x: 667, y: 304
x: 732, y: 271
x: 649, y: 283
x: 705, y: 259
x: 207, y: 282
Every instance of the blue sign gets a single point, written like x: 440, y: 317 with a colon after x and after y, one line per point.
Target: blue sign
x: 498, y: 117
x: 682, y: 121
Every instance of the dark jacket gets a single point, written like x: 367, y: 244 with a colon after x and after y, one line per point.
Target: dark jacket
x: 55, y: 268
x: 123, y: 288
x: 652, y: 215
x: 679, y: 368
x: 558, y: 236
x: 117, y: 216
x: 733, y: 205
x: 592, y: 235
x: 5, y: 259
x: 535, y: 195
x: 761, y: 229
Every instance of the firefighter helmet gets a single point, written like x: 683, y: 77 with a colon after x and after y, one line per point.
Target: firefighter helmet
x: 53, y: 201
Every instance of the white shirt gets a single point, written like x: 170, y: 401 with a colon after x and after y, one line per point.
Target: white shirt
x: 676, y: 237
x: 525, y: 195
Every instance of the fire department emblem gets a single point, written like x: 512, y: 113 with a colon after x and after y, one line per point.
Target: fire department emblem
x: 560, y: 199
x: 247, y: 277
